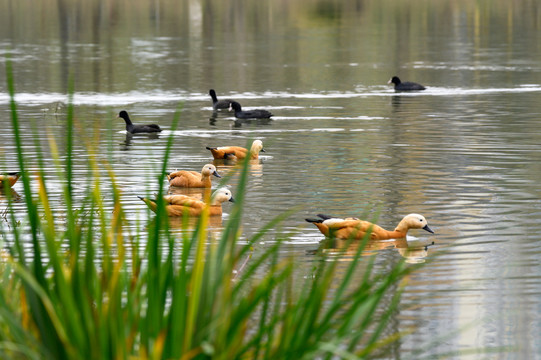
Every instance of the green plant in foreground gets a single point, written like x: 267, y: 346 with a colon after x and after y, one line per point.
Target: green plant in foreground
x: 80, y: 288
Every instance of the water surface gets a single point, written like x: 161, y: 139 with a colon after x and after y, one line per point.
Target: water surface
x: 464, y: 153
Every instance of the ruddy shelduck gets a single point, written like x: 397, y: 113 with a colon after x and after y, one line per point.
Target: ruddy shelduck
x: 178, y: 205
x: 11, y: 178
x: 237, y: 152
x: 356, y: 229
x: 193, y: 179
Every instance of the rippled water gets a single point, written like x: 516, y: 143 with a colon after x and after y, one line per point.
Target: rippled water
x: 464, y: 153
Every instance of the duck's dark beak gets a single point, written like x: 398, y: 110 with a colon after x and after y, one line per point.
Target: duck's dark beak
x: 262, y: 150
x: 428, y: 229
x: 232, y: 200
x: 140, y: 197
x: 216, y: 174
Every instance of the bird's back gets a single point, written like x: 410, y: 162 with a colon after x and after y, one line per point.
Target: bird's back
x: 136, y: 129
x: 227, y: 152
x: 186, y: 178
x: 408, y: 85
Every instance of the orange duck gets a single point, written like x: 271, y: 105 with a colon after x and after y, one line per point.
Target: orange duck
x: 237, y: 152
x: 356, y: 228
x: 11, y: 178
x: 193, y: 179
x: 177, y: 205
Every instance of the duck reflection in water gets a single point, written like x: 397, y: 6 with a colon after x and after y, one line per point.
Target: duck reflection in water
x: 414, y: 251
x: 126, y: 144
x: 229, y: 165
x: 11, y: 194
x: 189, y: 224
x: 217, y: 115
x: 238, y: 123
x: 252, y: 122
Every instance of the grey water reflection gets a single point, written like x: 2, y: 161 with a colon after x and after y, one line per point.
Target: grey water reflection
x: 464, y: 153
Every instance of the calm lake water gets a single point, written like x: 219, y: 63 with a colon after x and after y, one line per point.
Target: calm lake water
x: 465, y: 153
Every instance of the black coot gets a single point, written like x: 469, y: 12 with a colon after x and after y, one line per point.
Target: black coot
x: 251, y: 114
x: 135, y: 129
x: 218, y: 104
x: 405, y: 86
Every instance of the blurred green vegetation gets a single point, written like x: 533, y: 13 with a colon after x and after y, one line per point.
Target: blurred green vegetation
x: 76, y: 286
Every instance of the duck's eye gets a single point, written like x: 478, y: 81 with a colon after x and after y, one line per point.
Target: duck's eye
x: 421, y: 220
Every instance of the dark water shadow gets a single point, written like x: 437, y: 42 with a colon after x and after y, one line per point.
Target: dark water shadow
x: 127, y: 143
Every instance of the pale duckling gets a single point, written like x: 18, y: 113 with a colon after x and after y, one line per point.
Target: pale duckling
x: 193, y: 179
x: 356, y: 228
x: 11, y: 178
x: 237, y: 152
x: 177, y: 205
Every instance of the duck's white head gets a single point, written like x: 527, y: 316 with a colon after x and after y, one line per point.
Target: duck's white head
x: 257, y: 146
x: 209, y: 169
x: 413, y: 221
x: 221, y: 195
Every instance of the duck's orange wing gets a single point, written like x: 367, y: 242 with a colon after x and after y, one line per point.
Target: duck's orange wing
x: 185, y: 178
x: 240, y: 152
x: 351, y: 227
x: 178, y: 205
x: 184, y: 201
x: 228, y: 152
x: 11, y: 179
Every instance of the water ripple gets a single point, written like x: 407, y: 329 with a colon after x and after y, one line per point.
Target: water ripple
x: 159, y: 96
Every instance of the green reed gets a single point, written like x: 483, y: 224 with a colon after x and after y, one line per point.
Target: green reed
x: 80, y: 288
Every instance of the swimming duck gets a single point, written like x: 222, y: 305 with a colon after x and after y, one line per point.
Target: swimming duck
x: 177, y: 205
x: 251, y: 114
x: 218, y: 104
x: 11, y: 178
x: 193, y: 179
x: 404, y: 86
x: 356, y: 228
x: 136, y: 129
x: 237, y: 152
